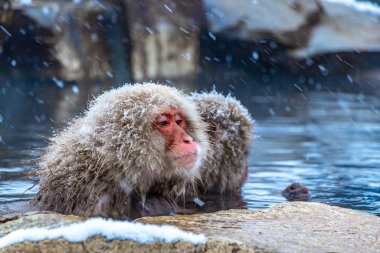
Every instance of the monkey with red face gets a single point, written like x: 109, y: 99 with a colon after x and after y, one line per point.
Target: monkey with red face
x: 133, y: 143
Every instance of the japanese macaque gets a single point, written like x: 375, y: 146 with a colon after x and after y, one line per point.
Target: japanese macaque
x: 296, y: 192
x: 229, y: 126
x: 132, y: 144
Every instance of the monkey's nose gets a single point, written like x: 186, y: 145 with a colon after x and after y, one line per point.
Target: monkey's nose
x: 187, y: 139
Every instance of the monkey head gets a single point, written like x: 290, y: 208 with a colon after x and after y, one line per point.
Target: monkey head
x: 154, y: 131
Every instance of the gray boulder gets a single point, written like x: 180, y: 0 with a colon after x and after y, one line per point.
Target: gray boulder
x: 287, y: 227
x: 306, y: 28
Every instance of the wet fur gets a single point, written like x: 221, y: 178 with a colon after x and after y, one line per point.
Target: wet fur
x: 110, y: 158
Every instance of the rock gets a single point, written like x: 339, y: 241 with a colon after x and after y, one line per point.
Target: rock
x: 35, y: 219
x: 305, y: 28
x: 74, y: 33
x: 97, y: 243
x: 6, y: 15
x: 345, y: 26
x: 164, y: 37
x: 16, y: 207
x: 258, y: 19
x: 100, y: 244
x: 287, y: 227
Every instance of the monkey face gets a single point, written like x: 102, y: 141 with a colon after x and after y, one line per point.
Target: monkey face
x: 180, y: 148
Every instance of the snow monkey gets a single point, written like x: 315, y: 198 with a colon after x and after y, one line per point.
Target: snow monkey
x: 133, y: 142
x: 140, y: 147
x: 230, y: 134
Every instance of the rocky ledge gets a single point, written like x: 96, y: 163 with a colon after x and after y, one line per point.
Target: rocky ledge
x: 287, y: 227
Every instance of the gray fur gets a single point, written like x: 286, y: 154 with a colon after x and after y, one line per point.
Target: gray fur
x: 230, y: 134
x: 111, y: 155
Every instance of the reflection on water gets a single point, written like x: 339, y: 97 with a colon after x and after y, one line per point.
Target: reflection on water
x: 324, y: 134
x: 331, y: 144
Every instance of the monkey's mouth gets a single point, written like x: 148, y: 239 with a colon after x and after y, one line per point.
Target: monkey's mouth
x: 187, y: 159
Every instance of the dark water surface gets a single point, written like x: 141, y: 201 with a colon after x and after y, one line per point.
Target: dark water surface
x: 322, y: 133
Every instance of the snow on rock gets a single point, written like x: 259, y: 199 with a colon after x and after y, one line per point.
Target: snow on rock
x: 111, y: 229
x: 250, y: 21
x: 25, y: 2
x: 307, y: 28
x: 346, y: 25
x: 360, y: 6
x: 286, y: 227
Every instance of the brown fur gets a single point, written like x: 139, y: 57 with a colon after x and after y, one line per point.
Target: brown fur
x: 230, y: 134
x: 111, y: 156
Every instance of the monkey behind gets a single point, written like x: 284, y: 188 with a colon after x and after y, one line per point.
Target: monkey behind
x: 120, y: 151
x: 230, y: 130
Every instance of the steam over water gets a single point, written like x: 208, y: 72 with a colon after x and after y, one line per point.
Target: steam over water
x: 324, y: 134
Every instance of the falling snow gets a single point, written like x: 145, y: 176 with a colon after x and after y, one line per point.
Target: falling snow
x: 5, y: 31
x: 324, y: 71
x: 58, y: 82
x: 109, y: 74
x: 75, y: 89
x: 46, y: 10
x: 349, y: 78
x: 149, y: 30
x: 1, y: 140
x: 183, y: 30
x: 187, y: 56
x: 212, y: 36
x: 255, y: 55
x: 94, y: 37
x: 168, y: 8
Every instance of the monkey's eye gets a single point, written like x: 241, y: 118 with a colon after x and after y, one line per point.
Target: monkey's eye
x: 178, y: 119
x: 163, y: 123
x: 162, y: 120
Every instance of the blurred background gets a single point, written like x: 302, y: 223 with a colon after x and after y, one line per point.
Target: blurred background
x: 307, y: 70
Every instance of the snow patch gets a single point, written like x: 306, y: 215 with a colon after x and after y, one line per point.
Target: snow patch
x: 110, y: 229
x: 58, y: 82
x: 25, y: 2
x: 75, y: 89
x: 87, y: 129
x: 360, y: 6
